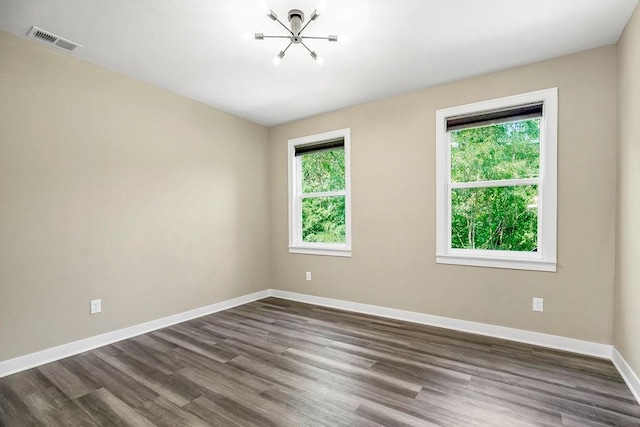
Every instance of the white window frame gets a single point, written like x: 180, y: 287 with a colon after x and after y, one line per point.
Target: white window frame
x: 296, y: 245
x: 544, y: 259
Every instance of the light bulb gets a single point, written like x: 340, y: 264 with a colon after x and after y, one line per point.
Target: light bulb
x: 316, y: 58
x: 278, y: 58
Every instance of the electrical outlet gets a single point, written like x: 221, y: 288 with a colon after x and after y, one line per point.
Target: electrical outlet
x: 96, y: 306
x: 538, y: 304
x: 308, y: 276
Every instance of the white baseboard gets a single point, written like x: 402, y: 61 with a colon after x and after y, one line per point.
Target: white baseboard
x: 32, y: 360
x: 604, y: 351
x: 519, y: 335
x: 627, y: 373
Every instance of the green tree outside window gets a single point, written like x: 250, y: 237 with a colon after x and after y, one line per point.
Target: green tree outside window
x: 323, y: 218
x: 495, y: 217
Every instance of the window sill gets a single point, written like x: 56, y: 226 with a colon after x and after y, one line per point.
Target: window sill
x: 508, y: 263
x: 320, y: 251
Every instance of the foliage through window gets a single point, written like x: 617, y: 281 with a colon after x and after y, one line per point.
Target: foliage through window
x: 319, y: 194
x: 497, y: 184
x: 503, y: 217
x: 323, y: 214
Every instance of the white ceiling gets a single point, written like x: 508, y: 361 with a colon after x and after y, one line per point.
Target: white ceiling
x: 197, y: 48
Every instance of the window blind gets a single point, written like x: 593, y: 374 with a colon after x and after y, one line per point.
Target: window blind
x: 522, y: 112
x: 332, y: 144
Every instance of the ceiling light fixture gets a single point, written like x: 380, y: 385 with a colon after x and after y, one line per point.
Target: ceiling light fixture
x: 296, y: 19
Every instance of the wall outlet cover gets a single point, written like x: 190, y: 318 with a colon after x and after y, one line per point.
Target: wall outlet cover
x: 538, y: 304
x: 96, y: 306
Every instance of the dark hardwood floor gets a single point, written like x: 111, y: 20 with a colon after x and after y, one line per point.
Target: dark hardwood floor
x: 281, y: 363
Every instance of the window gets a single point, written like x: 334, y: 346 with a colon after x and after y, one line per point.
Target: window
x: 496, y: 182
x: 319, y: 194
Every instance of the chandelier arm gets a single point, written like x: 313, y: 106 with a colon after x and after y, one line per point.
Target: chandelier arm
x: 276, y: 37
x: 316, y: 38
x: 305, y: 46
x: 288, y: 46
x: 305, y: 26
x: 285, y: 27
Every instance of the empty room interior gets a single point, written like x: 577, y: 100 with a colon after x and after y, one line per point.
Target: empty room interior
x: 331, y: 213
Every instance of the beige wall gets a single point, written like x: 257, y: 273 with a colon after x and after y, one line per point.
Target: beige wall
x: 114, y: 189
x: 393, y: 192
x: 627, y: 290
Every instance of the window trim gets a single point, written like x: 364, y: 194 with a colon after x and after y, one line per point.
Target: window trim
x: 545, y: 259
x: 296, y: 245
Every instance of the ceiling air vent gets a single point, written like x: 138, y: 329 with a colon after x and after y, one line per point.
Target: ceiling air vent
x: 52, y: 39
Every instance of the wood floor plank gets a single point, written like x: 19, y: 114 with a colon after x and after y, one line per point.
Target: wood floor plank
x: 149, y: 356
x: 165, y: 385
x: 481, y: 407
x: 224, y: 373
x: 69, y: 415
x: 73, y: 384
x: 13, y: 410
x: 235, y: 411
x: 210, y: 417
x: 46, y: 402
x: 327, y: 411
x: 195, y: 345
x: 163, y: 412
x: 26, y: 382
x: 283, y: 363
x: 400, y: 386
x: 123, y: 386
x: 387, y: 416
x: 271, y: 373
x: 106, y: 409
